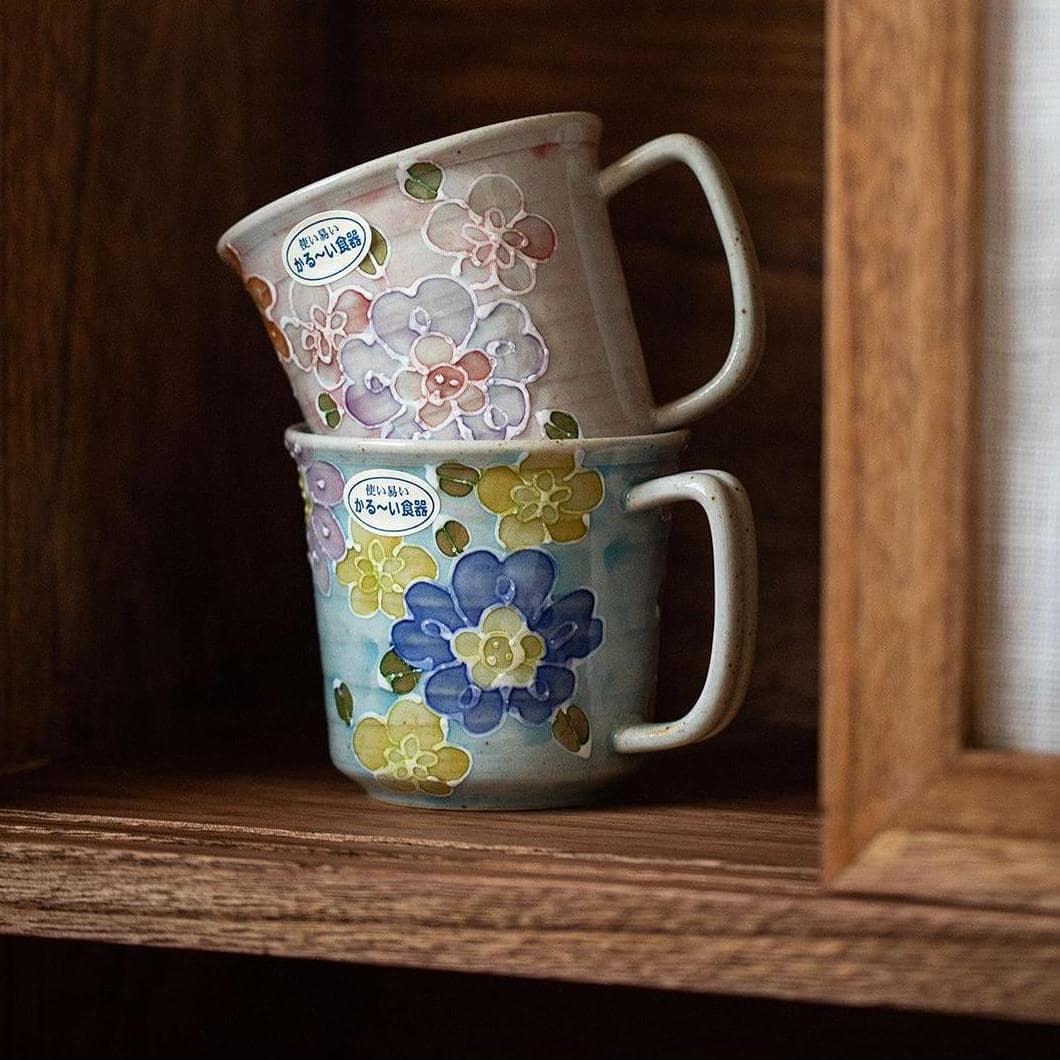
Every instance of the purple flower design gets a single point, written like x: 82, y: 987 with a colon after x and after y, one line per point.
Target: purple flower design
x: 322, y: 485
x: 494, y: 640
x: 436, y: 365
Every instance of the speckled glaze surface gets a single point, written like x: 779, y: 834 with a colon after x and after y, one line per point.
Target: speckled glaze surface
x: 470, y: 288
x: 488, y: 612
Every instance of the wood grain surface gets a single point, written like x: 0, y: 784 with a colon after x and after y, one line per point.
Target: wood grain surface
x: 153, y: 572
x: 707, y: 895
x: 899, y: 293
x: 746, y: 77
x: 900, y: 788
x: 143, y: 474
x: 153, y: 584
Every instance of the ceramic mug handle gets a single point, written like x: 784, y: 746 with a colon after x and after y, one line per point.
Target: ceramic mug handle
x: 749, y: 331
x: 724, y: 500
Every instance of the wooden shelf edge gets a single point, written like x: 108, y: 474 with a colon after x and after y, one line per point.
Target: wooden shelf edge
x: 999, y: 872
x: 647, y: 921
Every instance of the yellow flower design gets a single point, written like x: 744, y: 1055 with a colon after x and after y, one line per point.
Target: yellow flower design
x: 407, y: 751
x: 545, y: 498
x: 501, y: 651
x: 379, y: 569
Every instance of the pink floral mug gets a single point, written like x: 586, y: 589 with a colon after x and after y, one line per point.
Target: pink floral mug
x: 470, y: 288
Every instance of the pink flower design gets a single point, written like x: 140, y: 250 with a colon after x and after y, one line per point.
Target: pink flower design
x: 495, y: 241
x: 321, y: 321
x: 437, y: 365
x: 441, y: 382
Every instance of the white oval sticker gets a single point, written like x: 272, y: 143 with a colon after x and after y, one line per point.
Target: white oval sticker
x: 391, y: 502
x: 326, y: 246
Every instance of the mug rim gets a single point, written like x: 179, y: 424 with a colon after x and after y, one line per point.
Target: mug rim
x: 432, y: 451
x: 523, y: 132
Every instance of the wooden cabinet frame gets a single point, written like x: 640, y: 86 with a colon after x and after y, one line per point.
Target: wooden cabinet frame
x: 189, y: 802
x: 910, y: 809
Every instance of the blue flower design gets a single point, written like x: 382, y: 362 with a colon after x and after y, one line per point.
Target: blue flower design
x: 494, y: 640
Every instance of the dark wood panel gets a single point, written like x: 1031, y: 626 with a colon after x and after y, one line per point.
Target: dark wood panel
x: 149, y: 516
x: 153, y: 578
x: 119, y: 1000
x: 747, y: 77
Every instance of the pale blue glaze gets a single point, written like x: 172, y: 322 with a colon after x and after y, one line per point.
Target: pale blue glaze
x: 620, y: 560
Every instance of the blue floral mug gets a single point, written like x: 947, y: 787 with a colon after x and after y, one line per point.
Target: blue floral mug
x: 488, y: 611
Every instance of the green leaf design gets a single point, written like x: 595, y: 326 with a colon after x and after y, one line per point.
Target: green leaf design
x: 329, y: 411
x: 579, y: 722
x: 422, y: 181
x: 401, y: 677
x: 570, y: 729
x: 563, y: 733
x: 562, y: 425
x: 452, y: 538
x: 378, y: 252
x: 343, y: 701
x: 458, y: 480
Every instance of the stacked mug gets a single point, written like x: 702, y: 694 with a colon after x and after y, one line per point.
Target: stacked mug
x: 483, y: 469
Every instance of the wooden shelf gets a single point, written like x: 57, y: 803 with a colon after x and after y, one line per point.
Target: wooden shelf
x: 705, y: 889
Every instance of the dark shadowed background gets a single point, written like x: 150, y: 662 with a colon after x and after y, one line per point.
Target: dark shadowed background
x: 154, y: 579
